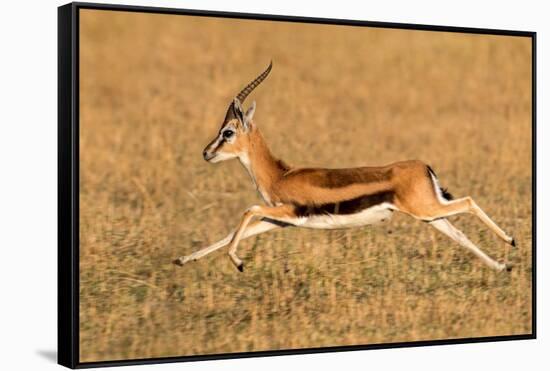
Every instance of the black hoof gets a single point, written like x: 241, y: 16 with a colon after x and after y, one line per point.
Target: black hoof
x: 509, y: 267
x: 177, y: 262
x: 240, y: 267
x: 513, y: 243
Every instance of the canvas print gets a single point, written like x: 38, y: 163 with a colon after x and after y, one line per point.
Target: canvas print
x: 254, y: 185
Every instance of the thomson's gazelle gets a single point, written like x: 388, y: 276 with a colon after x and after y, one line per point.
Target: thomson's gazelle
x: 330, y: 198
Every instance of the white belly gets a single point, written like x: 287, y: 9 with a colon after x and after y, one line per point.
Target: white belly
x: 373, y: 215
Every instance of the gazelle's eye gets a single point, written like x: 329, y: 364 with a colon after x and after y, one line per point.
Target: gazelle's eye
x: 228, y: 134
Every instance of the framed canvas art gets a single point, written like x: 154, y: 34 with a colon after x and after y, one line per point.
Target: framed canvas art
x: 238, y: 185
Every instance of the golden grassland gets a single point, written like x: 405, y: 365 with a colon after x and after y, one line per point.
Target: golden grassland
x: 154, y: 89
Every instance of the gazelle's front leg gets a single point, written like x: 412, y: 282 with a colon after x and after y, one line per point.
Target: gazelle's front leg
x: 252, y: 229
x: 278, y: 213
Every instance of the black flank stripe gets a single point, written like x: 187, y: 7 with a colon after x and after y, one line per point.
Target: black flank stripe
x: 346, y: 207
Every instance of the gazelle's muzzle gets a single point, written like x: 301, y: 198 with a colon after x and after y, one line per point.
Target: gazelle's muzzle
x: 207, y: 155
x: 210, y: 151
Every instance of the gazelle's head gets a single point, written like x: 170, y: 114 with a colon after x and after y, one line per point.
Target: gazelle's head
x: 233, y: 138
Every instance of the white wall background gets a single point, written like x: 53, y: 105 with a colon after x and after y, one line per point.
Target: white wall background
x: 28, y: 155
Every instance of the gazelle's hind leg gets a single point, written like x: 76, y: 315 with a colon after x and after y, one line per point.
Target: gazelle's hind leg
x: 448, y: 229
x: 468, y: 205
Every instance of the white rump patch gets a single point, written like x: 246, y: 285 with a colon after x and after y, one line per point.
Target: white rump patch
x: 437, y: 189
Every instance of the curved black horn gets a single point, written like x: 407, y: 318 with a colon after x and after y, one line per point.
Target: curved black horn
x: 230, y: 114
x: 257, y: 81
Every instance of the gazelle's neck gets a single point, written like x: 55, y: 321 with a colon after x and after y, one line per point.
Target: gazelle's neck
x: 262, y: 166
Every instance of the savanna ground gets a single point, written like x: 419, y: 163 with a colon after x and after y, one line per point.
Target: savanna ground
x: 154, y: 89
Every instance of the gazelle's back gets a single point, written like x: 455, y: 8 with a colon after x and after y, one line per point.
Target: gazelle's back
x: 305, y: 186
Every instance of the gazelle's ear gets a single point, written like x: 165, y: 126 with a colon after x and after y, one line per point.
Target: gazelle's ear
x: 249, y: 114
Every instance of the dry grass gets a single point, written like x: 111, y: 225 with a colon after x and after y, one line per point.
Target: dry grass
x: 154, y: 89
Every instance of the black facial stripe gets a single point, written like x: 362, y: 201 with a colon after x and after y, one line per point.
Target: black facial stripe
x: 345, y: 207
x: 220, y: 143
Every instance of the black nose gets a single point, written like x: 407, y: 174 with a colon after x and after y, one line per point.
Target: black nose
x: 207, y: 155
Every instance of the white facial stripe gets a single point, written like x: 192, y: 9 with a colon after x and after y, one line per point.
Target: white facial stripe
x: 214, y: 146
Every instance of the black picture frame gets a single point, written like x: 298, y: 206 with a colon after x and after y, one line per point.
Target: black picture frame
x: 68, y: 182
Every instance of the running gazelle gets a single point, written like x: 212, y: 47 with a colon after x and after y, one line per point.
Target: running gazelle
x: 330, y: 198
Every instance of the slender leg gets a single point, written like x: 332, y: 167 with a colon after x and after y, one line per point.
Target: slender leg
x: 468, y: 205
x: 491, y: 224
x: 275, y: 213
x: 444, y: 226
x: 253, y: 229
